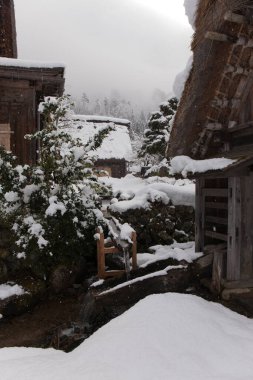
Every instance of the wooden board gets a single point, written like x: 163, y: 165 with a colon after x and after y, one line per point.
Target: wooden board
x: 234, y: 229
x: 246, y: 252
x: 199, y: 216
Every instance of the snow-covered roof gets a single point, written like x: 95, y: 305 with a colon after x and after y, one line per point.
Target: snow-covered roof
x: 184, y: 165
x: 13, y: 62
x: 117, y: 143
x: 102, y: 119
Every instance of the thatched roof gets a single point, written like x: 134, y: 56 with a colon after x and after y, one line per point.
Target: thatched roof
x: 219, y: 81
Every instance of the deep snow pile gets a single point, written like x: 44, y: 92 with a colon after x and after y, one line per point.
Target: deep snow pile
x: 137, y: 193
x: 165, y: 336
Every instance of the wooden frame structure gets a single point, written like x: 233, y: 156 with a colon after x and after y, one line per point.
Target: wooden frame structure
x: 23, y: 85
x: 103, y: 250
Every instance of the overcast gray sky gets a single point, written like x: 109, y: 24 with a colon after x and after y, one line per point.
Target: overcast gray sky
x: 134, y: 46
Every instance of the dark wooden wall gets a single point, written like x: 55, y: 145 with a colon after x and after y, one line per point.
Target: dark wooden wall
x: 19, y: 109
x: 118, y: 167
x: 8, y: 40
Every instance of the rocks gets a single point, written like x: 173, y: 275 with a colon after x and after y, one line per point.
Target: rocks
x: 63, y: 276
x: 16, y: 305
x: 160, y: 224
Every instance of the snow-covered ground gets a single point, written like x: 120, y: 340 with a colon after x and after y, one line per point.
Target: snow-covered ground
x: 177, y: 251
x: 165, y: 336
x: 138, y: 192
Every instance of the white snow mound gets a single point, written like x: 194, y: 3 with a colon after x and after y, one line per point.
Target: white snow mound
x: 165, y: 336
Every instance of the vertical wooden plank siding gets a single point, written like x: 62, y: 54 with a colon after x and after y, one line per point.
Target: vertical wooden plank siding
x: 247, y: 228
x: 199, y: 215
x: 234, y: 229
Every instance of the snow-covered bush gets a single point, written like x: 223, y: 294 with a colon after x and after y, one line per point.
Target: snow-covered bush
x: 156, y: 136
x: 53, y: 206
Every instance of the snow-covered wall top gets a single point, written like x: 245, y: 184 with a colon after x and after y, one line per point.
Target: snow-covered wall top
x: 116, y: 145
x: 12, y: 62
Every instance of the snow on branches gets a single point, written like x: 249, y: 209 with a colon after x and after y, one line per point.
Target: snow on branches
x: 53, y: 206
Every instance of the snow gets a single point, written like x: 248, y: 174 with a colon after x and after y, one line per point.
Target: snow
x: 12, y: 62
x: 185, y: 165
x: 11, y: 196
x: 162, y: 272
x: 126, y: 232
x: 181, y: 78
x: 97, y: 283
x: 9, y: 290
x: 142, y: 192
x: 179, y: 83
x: 55, y: 206
x: 28, y: 191
x: 177, y: 251
x: 106, y: 119
x: 190, y: 10
x: 164, y: 336
x: 116, y: 144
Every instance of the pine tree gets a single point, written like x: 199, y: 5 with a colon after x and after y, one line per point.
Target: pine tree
x: 157, y: 134
x: 53, y: 207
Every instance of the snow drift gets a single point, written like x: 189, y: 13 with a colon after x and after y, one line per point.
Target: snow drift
x: 166, y: 336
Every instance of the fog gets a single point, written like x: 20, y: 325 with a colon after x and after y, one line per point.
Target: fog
x: 133, y: 46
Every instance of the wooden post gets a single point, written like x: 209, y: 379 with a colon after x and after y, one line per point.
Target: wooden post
x: 199, y: 215
x: 217, y: 271
x: 101, y: 254
x: 134, y: 251
x: 234, y: 229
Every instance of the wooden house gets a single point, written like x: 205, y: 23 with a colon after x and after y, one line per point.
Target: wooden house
x: 115, y: 152
x: 215, y: 119
x: 23, y: 84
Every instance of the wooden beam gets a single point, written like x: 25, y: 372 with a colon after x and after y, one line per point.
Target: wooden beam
x: 111, y: 250
x: 241, y: 284
x: 217, y: 271
x: 113, y: 273
x: 215, y: 192
x: 235, y: 17
x: 199, y: 215
x: 220, y: 37
x: 215, y: 219
x: 239, y: 127
x: 216, y: 235
x: 234, y: 229
x: 217, y: 205
x: 214, y: 127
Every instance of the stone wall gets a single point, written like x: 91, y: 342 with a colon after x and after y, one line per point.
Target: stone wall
x: 160, y: 224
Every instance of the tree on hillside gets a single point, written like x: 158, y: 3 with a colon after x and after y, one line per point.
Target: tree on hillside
x: 157, y: 134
